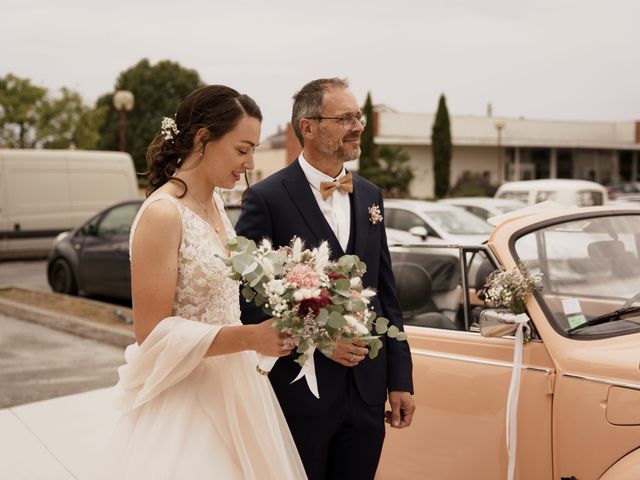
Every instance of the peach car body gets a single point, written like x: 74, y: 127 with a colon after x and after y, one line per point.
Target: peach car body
x: 579, y: 409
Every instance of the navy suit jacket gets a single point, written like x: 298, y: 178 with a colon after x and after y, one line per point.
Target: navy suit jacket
x: 283, y: 206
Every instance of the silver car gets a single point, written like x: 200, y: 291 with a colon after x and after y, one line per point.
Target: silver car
x: 435, y: 222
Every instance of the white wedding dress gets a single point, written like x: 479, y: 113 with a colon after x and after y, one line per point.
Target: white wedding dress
x: 190, y: 417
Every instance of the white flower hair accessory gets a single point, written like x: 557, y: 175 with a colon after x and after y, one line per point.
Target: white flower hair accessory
x: 374, y: 214
x: 169, y: 128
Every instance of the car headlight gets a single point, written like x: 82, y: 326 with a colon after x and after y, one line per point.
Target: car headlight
x: 61, y: 236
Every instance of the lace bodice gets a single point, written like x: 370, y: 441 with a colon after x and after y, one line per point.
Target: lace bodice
x: 204, y: 291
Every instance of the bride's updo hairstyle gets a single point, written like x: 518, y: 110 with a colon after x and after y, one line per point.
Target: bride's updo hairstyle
x: 216, y: 108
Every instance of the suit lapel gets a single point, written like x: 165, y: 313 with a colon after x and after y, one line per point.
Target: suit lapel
x: 361, y: 216
x: 300, y: 192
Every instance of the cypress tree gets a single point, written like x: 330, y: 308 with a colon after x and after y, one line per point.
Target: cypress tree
x: 441, y: 149
x: 368, y: 161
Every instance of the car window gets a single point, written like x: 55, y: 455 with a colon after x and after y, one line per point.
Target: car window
x: 588, y: 198
x: 459, y: 222
x: 429, y: 286
x: 118, y: 220
x: 403, y: 219
x: 478, y: 212
x: 514, y: 195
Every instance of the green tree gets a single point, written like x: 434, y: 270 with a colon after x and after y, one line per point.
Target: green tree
x: 368, y: 164
x: 66, y: 121
x: 392, y: 174
x: 20, y: 102
x: 158, y: 90
x: 441, y: 148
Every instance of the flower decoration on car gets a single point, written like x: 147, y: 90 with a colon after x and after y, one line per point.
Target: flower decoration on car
x: 511, y: 288
x: 375, y: 216
x: 169, y: 128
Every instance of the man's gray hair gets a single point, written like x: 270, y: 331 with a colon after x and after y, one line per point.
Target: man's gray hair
x: 307, y: 102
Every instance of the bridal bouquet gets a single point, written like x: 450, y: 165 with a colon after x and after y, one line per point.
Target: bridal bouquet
x: 314, y: 300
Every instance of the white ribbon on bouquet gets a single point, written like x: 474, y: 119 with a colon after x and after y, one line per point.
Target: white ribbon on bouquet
x: 308, y: 369
x: 514, y: 393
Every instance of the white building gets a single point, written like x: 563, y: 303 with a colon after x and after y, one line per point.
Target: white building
x: 527, y: 149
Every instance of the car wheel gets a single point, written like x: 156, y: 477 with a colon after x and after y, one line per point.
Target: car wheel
x: 62, y: 279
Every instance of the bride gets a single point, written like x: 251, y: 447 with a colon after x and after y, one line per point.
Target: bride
x: 193, y: 404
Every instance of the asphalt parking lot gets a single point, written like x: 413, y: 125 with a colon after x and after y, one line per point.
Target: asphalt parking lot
x: 38, y: 363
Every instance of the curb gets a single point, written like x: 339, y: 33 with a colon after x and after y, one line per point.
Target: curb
x: 67, y: 323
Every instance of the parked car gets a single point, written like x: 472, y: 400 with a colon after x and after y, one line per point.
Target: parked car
x: 581, y: 193
x: 45, y: 192
x: 435, y: 222
x: 485, y: 207
x: 93, y: 259
x: 621, y: 190
x: 579, y: 396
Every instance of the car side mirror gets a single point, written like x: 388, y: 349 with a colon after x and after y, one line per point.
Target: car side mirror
x: 419, y: 231
x: 500, y: 323
x: 89, y: 229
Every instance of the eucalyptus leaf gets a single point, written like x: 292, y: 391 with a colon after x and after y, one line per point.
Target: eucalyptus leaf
x: 381, y: 325
x: 248, y: 293
x: 343, y: 284
x: 347, y: 261
x: 393, y: 331
x: 357, y: 306
x: 401, y: 337
x: 323, y: 316
x: 336, y: 320
x: 338, y: 300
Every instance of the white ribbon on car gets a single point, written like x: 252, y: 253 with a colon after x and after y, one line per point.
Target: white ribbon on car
x: 308, y: 369
x: 514, y: 393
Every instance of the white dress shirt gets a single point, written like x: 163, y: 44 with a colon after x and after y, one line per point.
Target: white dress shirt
x: 337, y: 208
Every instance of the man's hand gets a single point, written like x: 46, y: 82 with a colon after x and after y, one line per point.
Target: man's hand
x: 349, y: 352
x: 402, y: 408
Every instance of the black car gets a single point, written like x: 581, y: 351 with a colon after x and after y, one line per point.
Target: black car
x: 93, y: 259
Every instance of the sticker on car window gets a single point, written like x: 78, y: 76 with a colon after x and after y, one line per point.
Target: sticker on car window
x: 573, y: 311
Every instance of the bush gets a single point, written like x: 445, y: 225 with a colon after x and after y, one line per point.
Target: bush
x: 474, y: 184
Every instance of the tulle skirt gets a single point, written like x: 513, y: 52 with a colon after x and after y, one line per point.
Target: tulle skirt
x: 190, y: 417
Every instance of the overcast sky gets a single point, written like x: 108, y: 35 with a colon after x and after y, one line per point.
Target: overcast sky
x: 542, y: 59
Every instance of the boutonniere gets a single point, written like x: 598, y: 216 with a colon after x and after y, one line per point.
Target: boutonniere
x: 374, y: 214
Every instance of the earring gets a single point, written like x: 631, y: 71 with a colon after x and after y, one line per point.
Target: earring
x: 179, y: 161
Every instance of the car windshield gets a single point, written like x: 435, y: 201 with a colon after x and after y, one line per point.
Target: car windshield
x: 590, y: 267
x: 458, y: 222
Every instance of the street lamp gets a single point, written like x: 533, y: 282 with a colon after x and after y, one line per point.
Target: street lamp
x: 123, y: 102
x: 499, y: 124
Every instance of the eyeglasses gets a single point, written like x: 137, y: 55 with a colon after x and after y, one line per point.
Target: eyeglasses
x: 347, y: 121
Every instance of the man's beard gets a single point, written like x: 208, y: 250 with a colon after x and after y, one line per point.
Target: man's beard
x: 338, y: 150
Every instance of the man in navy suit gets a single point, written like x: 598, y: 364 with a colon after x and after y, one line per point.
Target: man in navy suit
x: 339, y: 435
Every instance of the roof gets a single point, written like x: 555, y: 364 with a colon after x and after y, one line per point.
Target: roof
x: 396, y: 128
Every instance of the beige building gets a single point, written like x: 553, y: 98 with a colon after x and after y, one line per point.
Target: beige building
x: 515, y: 149
x: 504, y: 149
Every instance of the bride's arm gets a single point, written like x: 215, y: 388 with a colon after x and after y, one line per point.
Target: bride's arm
x: 154, y: 277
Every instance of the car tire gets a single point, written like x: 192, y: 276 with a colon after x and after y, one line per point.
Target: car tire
x: 62, y: 279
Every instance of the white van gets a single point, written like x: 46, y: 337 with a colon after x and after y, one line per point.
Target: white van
x: 45, y: 192
x: 581, y: 193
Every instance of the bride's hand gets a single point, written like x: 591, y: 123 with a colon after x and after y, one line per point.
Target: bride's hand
x: 271, y: 342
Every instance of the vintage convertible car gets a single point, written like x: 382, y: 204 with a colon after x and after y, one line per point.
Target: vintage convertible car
x: 579, y: 397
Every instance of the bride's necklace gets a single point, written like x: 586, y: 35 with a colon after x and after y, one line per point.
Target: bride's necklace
x: 204, y: 209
